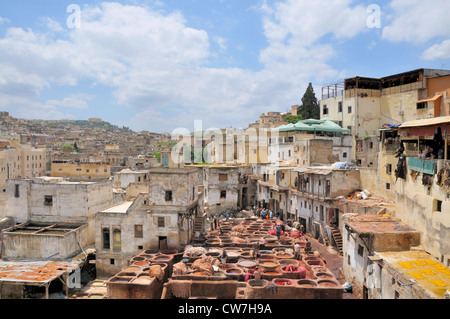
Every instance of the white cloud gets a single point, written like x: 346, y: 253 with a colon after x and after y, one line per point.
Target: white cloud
x: 153, y: 61
x: 69, y: 102
x: 417, y: 21
x: 438, y: 51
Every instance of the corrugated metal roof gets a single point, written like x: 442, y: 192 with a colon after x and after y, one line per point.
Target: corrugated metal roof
x: 318, y: 171
x: 34, y: 271
x: 427, y: 122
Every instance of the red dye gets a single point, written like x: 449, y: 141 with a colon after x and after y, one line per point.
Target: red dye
x: 283, y: 283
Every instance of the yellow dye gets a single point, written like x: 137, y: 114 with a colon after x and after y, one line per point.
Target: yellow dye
x: 431, y: 272
x: 438, y: 282
x: 427, y: 272
x: 406, y: 265
x: 417, y: 276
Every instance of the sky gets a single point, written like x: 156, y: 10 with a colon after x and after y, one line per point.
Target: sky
x: 163, y: 65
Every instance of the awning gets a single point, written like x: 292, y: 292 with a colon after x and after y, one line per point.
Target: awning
x: 427, y: 122
x: 430, y: 99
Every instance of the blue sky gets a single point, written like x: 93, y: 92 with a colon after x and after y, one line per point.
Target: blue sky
x: 161, y: 65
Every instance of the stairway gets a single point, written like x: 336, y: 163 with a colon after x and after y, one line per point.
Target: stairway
x: 323, y: 234
x: 337, y: 239
x: 198, y: 225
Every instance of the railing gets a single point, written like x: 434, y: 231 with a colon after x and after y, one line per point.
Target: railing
x: 422, y: 165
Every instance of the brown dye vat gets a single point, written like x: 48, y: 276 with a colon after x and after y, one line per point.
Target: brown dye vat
x: 284, y: 256
x: 120, y: 279
x: 137, y: 258
x: 320, y: 269
x: 131, y: 269
x: 234, y: 271
x: 269, y: 265
x: 147, y: 255
x: 257, y: 283
x: 213, y: 254
x: 305, y: 283
x: 323, y: 275
x: 287, y: 262
x: 143, y: 279
x: 327, y: 283
x: 162, y: 258
x: 246, y: 255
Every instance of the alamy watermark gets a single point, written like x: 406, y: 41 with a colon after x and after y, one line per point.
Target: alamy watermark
x: 374, y: 20
x: 74, y: 19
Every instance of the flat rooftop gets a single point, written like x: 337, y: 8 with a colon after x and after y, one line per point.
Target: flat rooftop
x: 372, y: 223
x: 429, y: 273
x: 119, y: 209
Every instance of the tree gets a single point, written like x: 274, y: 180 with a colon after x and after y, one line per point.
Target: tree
x: 310, y: 106
x: 294, y: 119
x: 75, y: 146
x: 68, y: 148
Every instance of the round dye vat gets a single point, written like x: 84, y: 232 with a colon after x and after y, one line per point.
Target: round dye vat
x: 272, y: 273
x: 287, y: 262
x: 234, y: 271
x: 323, y: 275
x: 289, y: 269
x: 283, y: 282
x: 131, y: 269
x: 162, y: 258
x: 327, y: 283
x: 247, y: 263
x: 257, y: 283
x: 141, y: 263
x: 305, y: 283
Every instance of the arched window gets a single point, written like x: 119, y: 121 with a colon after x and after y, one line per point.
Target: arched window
x: 106, y: 239
x: 117, y: 240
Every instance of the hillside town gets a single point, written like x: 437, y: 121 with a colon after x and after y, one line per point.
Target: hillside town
x: 351, y: 203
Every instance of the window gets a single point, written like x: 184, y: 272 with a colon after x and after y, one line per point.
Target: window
x: 340, y: 107
x: 111, y: 261
x: 361, y: 250
x: 161, y: 222
x: 138, y: 231
x: 423, y: 105
x: 349, y: 109
x: 438, y: 206
x: 388, y: 169
x: 117, y: 240
x: 325, y: 110
x: 223, y: 194
x: 16, y: 191
x: 48, y: 200
x: 223, y: 177
x: 87, y: 171
x: 168, y: 196
x: 106, y: 239
x: 388, y: 186
x: 344, y: 155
